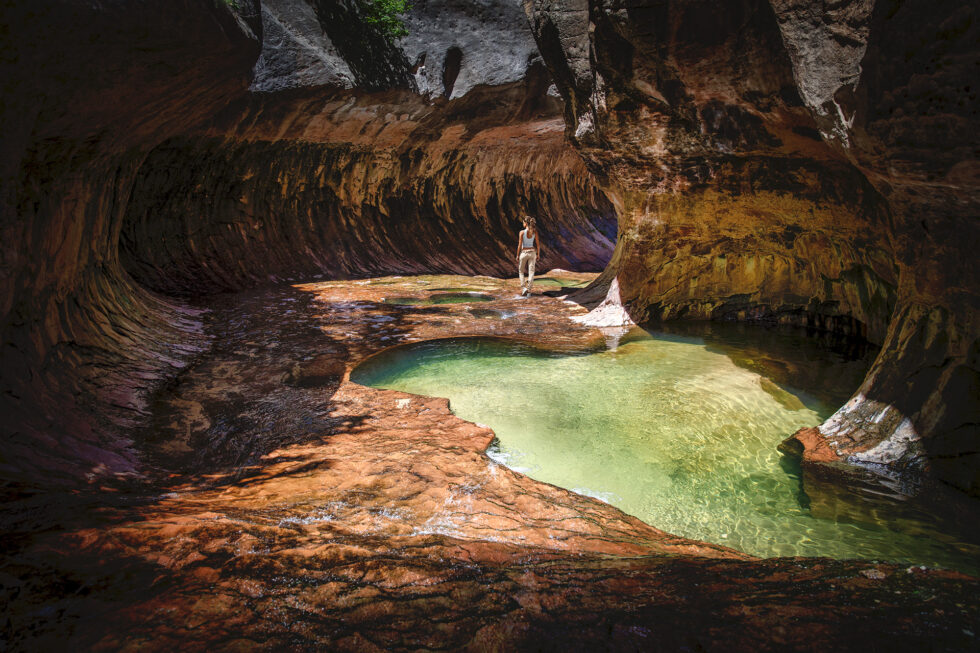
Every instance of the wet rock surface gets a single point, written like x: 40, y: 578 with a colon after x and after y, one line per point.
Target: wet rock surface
x: 279, y: 513
x: 735, y: 198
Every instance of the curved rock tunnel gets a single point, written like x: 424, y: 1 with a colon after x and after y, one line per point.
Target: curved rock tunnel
x: 198, y: 185
x: 763, y: 161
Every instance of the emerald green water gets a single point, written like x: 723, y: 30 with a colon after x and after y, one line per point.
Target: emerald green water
x: 678, y: 430
x: 441, y: 298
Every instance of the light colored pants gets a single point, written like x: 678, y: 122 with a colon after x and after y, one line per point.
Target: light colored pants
x: 527, y: 258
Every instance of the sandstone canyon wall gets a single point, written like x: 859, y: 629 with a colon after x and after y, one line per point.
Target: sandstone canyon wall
x: 810, y: 163
x: 311, y: 175
x: 223, y: 213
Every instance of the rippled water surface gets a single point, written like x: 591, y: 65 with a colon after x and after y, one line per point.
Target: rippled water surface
x: 677, y: 429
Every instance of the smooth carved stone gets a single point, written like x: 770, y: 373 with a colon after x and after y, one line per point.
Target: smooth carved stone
x: 306, y: 535
x: 338, y: 210
x: 135, y: 156
x: 810, y: 445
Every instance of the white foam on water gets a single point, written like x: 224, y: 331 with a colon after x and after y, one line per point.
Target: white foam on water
x: 605, y: 497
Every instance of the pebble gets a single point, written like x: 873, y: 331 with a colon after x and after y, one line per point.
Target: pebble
x: 873, y: 574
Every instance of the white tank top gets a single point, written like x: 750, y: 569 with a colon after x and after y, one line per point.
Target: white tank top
x: 527, y: 242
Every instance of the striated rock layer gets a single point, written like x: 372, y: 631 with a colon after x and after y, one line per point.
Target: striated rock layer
x: 225, y: 213
x: 801, y: 163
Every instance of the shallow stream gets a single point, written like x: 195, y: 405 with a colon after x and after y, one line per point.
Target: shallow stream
x: 680, y: 430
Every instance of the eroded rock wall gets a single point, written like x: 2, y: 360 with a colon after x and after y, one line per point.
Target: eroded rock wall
x: 216, y: 214
x: 912, y: 130
x: 733, y: 205
x: 758, y: 173
x: 770, y: 172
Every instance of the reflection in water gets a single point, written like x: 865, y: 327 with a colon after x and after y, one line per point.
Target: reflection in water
x: 679, y: 429
x: 552, y: 282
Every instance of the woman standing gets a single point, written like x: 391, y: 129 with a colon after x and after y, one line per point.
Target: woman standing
x: 528, y: 250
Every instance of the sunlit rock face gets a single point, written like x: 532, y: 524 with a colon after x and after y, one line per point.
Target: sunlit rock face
x: 793, y: 162
x: 733, y: 205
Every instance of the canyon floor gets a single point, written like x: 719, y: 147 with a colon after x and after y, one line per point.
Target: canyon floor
x: 284, y: 506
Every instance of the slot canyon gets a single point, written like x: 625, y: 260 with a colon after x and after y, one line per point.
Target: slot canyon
x: 218, y: 215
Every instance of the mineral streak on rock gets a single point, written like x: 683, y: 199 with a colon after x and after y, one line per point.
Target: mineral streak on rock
x: 295, y: 51
x: 826, y: 43
x: 796, y: 162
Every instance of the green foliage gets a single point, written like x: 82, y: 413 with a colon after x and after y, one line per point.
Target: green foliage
x: 385, y: 16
